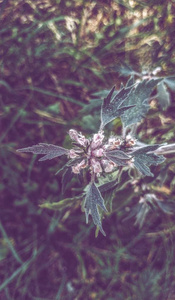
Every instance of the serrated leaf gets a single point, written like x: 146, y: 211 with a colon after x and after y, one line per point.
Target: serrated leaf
x: 94, y: 198
x: 142, y: 159
x: 118, y: 157
x: 113, y: 107
x: 118, y: 154
x: 50, y: 150
x: 108, y: 186
x: 66, y: 178
x: 163, y: 96
x: 170, y: 81
x: 130, y: 81
x: 139, y: 97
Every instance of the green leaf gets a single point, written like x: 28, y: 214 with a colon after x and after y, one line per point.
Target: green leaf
x: 108, y: 186
x: 6, y: 85
x: 163, y: 96
x: 139, y: 98
x: 143, y: 210
x: 54, y: 108
x: 118, y: 157
x: 50, y: 150
x: 130, y: 81
x: 94, y: 198
x: 170, y: 81
x: 112, y: 108
x: 61, y: 204
x: 166, y: 207
x: 140, y: 212
x: 124, y: 70
x: 142, y: 159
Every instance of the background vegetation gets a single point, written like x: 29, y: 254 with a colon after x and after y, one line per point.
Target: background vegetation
x: 54, y: 55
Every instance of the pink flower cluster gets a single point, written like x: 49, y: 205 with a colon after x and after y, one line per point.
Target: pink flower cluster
x: 93, y: 152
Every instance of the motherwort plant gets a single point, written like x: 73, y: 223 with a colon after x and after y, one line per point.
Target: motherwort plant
x: 100, y: 155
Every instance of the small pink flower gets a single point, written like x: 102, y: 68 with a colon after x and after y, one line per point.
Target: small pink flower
x: 98, y: 152
x: 97, y: 140
x: 78, y: 137
x: 76, y: 169
x: 73, y: 134
x: 72, y: 154
x: 130, y: 141
x: 96, y: 166
x: 113, y: 143
x: 108, y: 165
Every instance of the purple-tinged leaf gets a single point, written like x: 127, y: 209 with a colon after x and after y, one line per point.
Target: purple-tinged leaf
x: 50, y: 150
x: 94, y: 198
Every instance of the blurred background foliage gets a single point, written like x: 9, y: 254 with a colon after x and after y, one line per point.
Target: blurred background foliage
x: 54, y: 55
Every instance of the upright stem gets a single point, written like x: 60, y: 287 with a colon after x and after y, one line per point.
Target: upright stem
x: 133, y: 130
x: 124, y: 129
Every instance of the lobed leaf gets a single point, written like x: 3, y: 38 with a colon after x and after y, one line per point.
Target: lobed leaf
x: 50, y: 150
x: 112, y: 108
x: 139, y: 97
x: 94, y: 198
x: 143, y: 159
